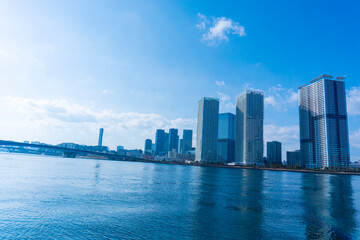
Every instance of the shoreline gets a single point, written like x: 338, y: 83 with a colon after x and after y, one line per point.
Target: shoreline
x: 213, y: 165
x: 255, y: 168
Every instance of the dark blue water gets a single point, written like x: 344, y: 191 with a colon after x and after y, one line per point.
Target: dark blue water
x: 58, y: 198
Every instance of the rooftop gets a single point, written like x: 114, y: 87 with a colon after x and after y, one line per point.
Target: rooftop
x: 251, y: 91
x: 321, y: 77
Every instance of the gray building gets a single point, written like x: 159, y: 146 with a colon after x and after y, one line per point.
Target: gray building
x: 249, y: 143
x: 324, y: 137
x: 273, y: 150
x: 161, y: 142
x: 207, y: 130
x: 226, y: 137
x: 148, y: 146
x: 101, y: 133
x: 293, y: 158
x: 173, y: 139
x: 187, y: 141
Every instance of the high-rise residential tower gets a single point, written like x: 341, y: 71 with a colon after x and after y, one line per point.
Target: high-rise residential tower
x: 273, y: 150
x: 161, y: 144
x: 207, y: 130
x: 148, y: 146
x: 187, y: 140
x: 101, y: 133
x: 249, y: 143
x: 173, y: 139
x: 226, y: 137
x: 324, y: 137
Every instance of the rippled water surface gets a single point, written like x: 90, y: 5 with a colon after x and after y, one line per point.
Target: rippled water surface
x: 59, y: 198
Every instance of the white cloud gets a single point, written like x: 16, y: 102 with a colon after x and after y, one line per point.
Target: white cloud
x: 60, y: 120
x: 280, y: 98
x: 203, y: 21
x: 353, y: 101
x: 270, y: 100
x: 220, y: 83
x: 225, y: 104
x: 287, y: 135
x: 218, y: 29
x: 355, y: 139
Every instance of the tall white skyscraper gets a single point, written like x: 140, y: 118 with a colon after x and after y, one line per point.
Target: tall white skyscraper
x: 324, y: 137
x: 249, y: 144
x: 207, y: 130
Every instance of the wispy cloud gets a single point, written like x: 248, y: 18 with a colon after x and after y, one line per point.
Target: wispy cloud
x: 218, y: 29
x: 353, y: 101
x: 50, y: 115
x: 280, y: 98
x: 355, y: 139
x: 225, y: 104
x: 220, y: 83
x: 287, y: 135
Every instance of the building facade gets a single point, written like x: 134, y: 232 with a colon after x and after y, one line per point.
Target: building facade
x: 148, y: 146
x: 101, y: 133
x: 187, y: 141
x: 293, y: 158
x: 226, y: 137
x: 249, y: 143
x: 273, y: 150
x: 207, y: 130
x: 173, y: 140
x: 324, y: 137
x: 161, y: 142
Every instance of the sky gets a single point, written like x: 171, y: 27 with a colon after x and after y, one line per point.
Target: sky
x: 68, y: 68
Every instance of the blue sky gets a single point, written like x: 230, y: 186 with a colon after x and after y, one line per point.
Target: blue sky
x: 68, y: 68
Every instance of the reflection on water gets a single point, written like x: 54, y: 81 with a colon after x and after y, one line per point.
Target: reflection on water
x: 49, y: 197
x: 328, y: 206
x: 342, y: 207
x: 228, y: 204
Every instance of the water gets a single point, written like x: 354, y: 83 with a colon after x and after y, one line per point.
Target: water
x: 58, y: 198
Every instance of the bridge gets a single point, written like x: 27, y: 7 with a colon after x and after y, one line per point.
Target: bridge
x: 66, y: 152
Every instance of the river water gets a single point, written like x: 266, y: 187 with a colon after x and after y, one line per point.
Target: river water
x: 58, y: 198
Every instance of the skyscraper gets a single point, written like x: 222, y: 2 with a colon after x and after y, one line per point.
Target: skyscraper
x: 148, y: 146
x: 161, y: 139
x: 101, y: 133
x: 324, y: 137
x: 226, y: 137
x: 273, y: 152
x: 293, y: 158
x: 173, y: 139
x: 187, y: 140
x: 207, y: 130
x: 249, y: 144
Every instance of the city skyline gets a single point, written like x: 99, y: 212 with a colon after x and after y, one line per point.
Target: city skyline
x: 66, y: 73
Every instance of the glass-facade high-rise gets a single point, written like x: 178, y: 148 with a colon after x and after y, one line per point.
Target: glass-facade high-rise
x: 101, y: 133
x: 226, y: 137
x: 207, y: 130
x: 273, y: 150
x: 148, y: 146
x: 187, y: 140
x: 324, y: 137
x: 161, y: 142
x: 293, y: 158
x: 173, y: 139
x: 249, y: 143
